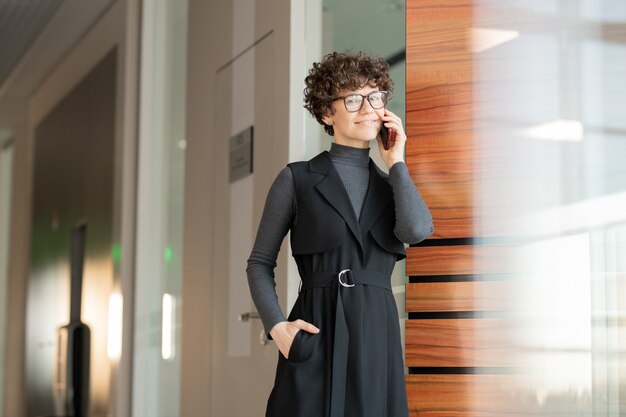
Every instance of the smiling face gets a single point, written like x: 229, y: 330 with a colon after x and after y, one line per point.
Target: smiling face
x: 358, y: 128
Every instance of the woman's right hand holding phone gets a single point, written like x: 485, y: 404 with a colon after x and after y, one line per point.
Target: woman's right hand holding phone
x: 397, y: 140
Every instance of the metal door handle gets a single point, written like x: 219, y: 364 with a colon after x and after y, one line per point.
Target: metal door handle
x: 249, y: 315
x: 254, y: 315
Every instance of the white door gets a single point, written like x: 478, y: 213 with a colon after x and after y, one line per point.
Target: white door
x: 242, y: 367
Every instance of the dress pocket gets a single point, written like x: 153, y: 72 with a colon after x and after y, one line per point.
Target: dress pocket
x: 302, y: 347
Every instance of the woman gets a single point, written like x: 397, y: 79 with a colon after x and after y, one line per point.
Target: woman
x: 340, y: 348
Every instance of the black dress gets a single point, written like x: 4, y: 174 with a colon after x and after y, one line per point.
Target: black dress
x: 353, y: 367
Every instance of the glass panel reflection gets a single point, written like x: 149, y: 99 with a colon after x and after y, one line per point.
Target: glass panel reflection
x: 159, y: 250
x: 6, y: 170
x: 551, y: 129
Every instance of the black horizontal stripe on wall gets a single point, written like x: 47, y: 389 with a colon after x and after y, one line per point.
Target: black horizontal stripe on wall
x: 417, y: 279
x: 429, y: 315
x: 447, y: 370
x: 498, y: 240
x: 458, y: 241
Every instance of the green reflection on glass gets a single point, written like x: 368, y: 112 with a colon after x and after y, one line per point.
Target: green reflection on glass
x: 116, y: 253
x: 168, y: 254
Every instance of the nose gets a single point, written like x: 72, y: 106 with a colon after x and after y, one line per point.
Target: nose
x: 366, y: 107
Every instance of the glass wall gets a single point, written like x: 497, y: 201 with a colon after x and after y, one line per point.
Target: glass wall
x: 6, y: 171
x: 156, y: 361
x: 550, y: 115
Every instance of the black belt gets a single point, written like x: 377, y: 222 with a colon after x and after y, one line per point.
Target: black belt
x: 344, y: 280
x: 347, y: 278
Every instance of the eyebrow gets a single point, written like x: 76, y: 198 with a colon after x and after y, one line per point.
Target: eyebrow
x: 366, y: 93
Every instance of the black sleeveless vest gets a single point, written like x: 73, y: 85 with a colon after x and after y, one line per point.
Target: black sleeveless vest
x: 346, y: 267
x: 326, y: 220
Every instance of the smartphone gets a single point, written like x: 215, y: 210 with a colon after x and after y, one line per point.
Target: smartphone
x: 387, y: 137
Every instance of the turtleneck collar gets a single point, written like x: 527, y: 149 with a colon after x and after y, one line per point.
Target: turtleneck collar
x: 349, y: 155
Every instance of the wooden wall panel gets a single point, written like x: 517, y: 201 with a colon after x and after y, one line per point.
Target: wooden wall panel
x: 461, y: 296
x: 454, y: 276
x: 464, y: 396
x: 439, y: 101
x: 460, y: 343
x: 458, y: 259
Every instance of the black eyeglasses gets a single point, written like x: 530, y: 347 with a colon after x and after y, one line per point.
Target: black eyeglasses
x: 354, y: 102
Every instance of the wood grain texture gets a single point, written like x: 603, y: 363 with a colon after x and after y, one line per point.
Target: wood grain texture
x: 462, y: 296
x: 442, y: 157
x: 462, y: 343
x: 462, y: 259
x: 440, y: 107
x: 467, y: 396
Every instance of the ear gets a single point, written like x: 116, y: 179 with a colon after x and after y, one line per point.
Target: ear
x: 328, y: 120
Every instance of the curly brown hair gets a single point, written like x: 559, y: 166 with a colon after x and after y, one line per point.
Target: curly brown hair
x: 342, y: 71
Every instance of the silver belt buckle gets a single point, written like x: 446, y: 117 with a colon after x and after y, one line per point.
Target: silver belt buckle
x: 340, y: 280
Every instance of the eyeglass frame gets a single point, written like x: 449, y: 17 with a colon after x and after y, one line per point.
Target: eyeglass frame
x: 364, y: 97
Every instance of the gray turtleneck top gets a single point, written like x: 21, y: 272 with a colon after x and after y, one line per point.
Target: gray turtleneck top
x: 413, y: 220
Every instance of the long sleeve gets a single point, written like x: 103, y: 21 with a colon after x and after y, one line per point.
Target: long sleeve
x: 414, y: 222
x: 278, y: 215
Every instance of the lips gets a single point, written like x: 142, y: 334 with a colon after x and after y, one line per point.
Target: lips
x: 366, y: 122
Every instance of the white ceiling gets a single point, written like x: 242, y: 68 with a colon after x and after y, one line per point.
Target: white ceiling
x: 34, y: 36
x: 21, y: 22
